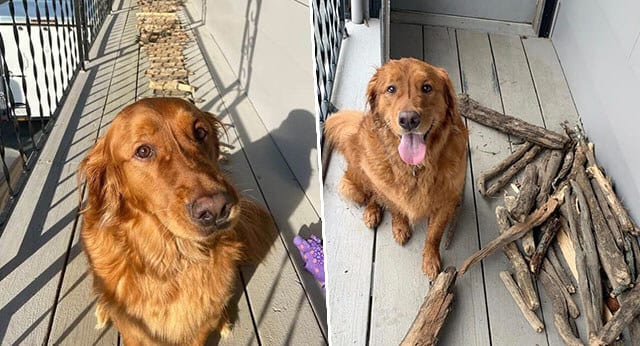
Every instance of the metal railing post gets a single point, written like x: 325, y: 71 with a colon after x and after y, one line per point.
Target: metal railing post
x: 78, y: 8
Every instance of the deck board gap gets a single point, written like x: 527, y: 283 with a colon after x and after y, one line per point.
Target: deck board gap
x: 535, y: 87
x: 251, y: 312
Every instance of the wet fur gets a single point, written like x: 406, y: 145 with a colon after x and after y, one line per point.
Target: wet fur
x: 157, y: 277
x: 376, y: 176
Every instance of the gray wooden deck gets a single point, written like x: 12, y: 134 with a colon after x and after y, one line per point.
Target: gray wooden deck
x: 45, y: 289
x: 376, y: 286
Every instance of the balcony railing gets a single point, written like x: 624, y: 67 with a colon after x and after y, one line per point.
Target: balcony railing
x: 43, y: 45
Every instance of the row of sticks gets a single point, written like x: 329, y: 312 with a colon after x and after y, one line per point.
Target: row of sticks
x: 565, y: 211
x: 163, y: 39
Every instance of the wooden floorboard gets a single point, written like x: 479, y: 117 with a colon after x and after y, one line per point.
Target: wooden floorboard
x: 74, y: 319
x: 441, y: 49
x: 283, y: 310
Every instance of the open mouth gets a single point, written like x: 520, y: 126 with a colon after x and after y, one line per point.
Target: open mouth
x: 413, y: 147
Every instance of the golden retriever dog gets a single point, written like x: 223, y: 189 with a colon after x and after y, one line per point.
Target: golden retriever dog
x: 407, y: 154
x: 163, y: 228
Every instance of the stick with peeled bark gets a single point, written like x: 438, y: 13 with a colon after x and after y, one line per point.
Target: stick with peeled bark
x: 560, y: 313
x: 433, y: 312
x: 629, y: 309
x: 572, y: 308
x: 500, y: 167
x: 515, y: 292
x: 608, y: 215
x: 547, y: 174
x: 567, y: 163
x: 523, y: 276
x: 511, y: 172
x: 552, y: 256
x: 473, y: 110
x: 518, y: 230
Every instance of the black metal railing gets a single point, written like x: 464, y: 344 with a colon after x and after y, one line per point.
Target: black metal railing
x: 43, y: 45
x: 328, y: 32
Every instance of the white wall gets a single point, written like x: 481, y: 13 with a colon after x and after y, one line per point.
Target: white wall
x: 597, y: 43
x: 268, y: 45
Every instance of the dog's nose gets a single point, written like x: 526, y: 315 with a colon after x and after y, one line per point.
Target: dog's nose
x: 409, y: 120
x: 210, y: 210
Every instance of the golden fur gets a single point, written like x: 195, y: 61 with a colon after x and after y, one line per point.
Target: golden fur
x: 377, y: 177
x: 159, y: 276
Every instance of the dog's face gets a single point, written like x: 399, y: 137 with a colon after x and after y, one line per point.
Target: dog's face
x: 160, y: 157
x: 414, y: 99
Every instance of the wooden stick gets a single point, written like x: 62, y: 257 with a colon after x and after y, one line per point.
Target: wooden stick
x: 563, y: 274
x: 611, y: 257
x: 518, y: 230
x: 589, y: 282
x: 567, y: 163
x: 527, y: 196
x: 471, y: 109
x: 547, y: 175
x: 523, y: 276
x: 629, y: 309
x: 623, y: 218
x: 503, y: 165
x: 511, y: 172
x: 572, y: 308
x: 549, y: 230
x: 560, y: 313
x: 515, y: 292
x: 608, y: 215
x: 433, y: 312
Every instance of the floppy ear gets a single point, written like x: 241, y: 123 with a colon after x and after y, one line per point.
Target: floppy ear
x: 372, y: 92
x: 450, y: 96
x: 103, y: 183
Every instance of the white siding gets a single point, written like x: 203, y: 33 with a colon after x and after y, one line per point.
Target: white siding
x: 595, y: 42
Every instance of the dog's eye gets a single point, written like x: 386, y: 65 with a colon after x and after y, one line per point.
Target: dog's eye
x: 426, y: 88
x: 144, y: 152
x: 200, y: 133
x: 391, y: 89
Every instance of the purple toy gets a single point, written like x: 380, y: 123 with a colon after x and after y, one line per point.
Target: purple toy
x: 313, y: 255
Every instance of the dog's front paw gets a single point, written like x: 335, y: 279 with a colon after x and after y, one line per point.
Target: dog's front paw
x: 431, y: 263
x: 102, y: 316
x: 226, y: 330
x: 372, y: 215
x: 401, y: 233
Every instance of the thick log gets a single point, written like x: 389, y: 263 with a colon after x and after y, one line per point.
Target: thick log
x: 511, y: 172
x: 549, y: 230
x: 611, y: 257
x: 502, y: 166
x: 519, y: 265
x: 560, y: 312
x: 473, y: 110
x: 629, y: 310
x: 518, y: 230
x: 515, y: 292
x: 589, y: 280
x: 433, y: 312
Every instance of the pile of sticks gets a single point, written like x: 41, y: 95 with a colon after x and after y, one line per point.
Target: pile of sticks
x: 163, y: 39
x: 565, y: 210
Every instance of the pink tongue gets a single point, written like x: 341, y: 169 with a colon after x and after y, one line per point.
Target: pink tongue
x: 412, y: 148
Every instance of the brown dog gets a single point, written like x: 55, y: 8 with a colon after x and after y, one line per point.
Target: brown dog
x: 163, y: 229
x: 407, y: 154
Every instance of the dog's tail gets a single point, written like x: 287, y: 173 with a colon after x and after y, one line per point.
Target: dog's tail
x: 339, y: 127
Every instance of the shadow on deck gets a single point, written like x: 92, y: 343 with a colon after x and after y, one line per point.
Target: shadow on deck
x: 46, y: 290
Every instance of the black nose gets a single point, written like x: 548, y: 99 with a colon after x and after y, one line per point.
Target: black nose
x: 210, y: 210
x: 409, y: 120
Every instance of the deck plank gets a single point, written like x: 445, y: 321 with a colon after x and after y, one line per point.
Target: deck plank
x: 441, y: 49
x: 405, y: 41
x: 75, y: 318
x: 488, y: 147
x: 553, y: 91
x: 279, y: 302
x: 34, y: 247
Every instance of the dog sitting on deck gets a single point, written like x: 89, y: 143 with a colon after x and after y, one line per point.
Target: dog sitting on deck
x: 407, y: 154
x: 163, y: 229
